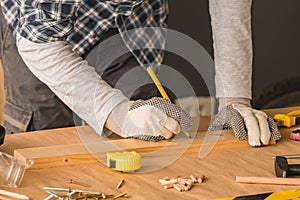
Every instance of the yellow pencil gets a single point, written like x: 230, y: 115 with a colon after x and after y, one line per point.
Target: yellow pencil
x: 161, y: 89
x: 157, y: 83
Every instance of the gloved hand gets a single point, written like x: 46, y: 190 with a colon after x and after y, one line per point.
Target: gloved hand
x: 153, y: 120
x: 237, y: 114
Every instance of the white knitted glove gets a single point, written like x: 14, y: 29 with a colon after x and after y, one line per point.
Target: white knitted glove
x: 152, y: 120
x: 245, y: 121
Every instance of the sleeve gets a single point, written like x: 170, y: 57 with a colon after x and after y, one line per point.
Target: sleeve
x: 42, y: 21
x: 71, y: 79
x: 232, y: 37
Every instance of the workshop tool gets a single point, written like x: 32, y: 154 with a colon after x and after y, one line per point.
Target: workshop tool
x: 283, y: 169
x: 124, y: 161
x: 295, y: 134
x: 283, y: 195
x: 287, y: 120
x: 262, y: 196
x: 288, y: 156
x: 267, y: 180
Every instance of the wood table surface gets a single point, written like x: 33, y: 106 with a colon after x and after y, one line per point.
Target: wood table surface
x: 220, y: 166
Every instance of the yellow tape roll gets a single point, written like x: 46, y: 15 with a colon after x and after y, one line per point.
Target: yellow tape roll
x: 124, y: 161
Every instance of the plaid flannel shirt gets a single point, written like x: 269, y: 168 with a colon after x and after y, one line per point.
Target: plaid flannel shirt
x: 82, y: 23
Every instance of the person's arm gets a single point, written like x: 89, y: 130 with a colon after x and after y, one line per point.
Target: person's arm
x: 231, y: 26
x: 82, y: 89
x: 71, y: 79
x: 41, y: 43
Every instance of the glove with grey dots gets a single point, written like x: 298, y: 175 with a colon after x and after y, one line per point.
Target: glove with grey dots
x: 246, y: 123
x: 151, y: 120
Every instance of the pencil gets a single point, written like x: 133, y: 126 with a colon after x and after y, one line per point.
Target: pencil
x: 161, y: 89
x: 158, y: 84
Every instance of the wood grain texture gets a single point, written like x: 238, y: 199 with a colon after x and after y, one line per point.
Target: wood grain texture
x: 75, y: 154
x: 226, y: 161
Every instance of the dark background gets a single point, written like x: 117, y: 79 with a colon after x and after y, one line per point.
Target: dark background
x: 276, y: 41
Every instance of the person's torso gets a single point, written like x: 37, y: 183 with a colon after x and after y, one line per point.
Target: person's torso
x: 80, y: 22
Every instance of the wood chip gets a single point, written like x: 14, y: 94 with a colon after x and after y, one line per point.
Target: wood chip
x: 194, y: 179
x: 201, y: 179
x: 177, y: 187
x: 181, y: 184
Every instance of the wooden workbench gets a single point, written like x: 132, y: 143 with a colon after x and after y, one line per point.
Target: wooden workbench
x: 220, y: 167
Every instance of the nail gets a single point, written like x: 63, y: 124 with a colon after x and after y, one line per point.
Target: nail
x: 120, y: 195
x: 79, y: 183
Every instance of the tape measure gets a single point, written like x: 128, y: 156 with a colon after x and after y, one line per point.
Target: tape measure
x: 124, y: 161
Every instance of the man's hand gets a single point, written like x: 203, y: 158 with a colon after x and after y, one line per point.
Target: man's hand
x: 246, y: 122
x: 154, y: 119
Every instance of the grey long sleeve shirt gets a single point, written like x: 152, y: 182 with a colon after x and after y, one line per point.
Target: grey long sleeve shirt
x: 231, y: 25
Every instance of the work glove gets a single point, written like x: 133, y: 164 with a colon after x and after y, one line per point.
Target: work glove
x: 152, y: 120
x: 246, y: 122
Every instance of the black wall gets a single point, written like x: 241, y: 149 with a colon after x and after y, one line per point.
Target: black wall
x: 276, y: 38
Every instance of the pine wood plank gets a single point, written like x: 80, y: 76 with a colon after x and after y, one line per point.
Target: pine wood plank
x: 75, y: 154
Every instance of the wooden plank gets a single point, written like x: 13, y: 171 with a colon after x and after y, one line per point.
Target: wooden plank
x: 64, y: 155
x: 54, y: 156
x: 75, y: 154
x: 60, y: 155
x: 268, y: 180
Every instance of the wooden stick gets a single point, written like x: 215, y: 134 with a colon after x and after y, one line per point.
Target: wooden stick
x: 268, y: 180
x: 120, y: 183
x: 14, y: 195
x: 171, y: 181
